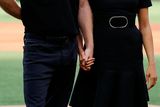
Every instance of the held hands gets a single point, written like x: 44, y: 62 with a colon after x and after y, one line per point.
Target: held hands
x: 151, y: 76
x: 86, y: 59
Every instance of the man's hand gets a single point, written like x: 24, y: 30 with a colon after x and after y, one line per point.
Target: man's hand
x: 86, y: 59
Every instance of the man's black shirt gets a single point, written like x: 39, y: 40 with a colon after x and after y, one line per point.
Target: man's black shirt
x: 50, y: 16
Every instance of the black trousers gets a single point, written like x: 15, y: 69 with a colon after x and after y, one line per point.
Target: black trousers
x: 49, y: 70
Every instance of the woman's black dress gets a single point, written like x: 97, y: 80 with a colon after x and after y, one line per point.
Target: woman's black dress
x: 117, y: 79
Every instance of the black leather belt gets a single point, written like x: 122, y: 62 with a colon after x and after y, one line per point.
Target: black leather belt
x: 57, y: 39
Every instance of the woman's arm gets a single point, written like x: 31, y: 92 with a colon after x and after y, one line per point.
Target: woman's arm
x: 11, y: 7
x: 144, y: 27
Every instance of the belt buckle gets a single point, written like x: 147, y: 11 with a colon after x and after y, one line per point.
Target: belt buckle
x: 118, y: 17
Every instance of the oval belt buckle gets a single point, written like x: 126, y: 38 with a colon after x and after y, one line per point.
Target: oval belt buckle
x: 117, y: 17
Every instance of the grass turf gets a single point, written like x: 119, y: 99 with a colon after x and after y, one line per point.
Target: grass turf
x: 11, y: 84
x: 11, y: 91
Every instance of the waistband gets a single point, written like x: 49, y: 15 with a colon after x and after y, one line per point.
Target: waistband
x: 115, y: 20
x: 59, y: 39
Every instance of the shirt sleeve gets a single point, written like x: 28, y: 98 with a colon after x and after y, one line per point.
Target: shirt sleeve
x: 145, y: 3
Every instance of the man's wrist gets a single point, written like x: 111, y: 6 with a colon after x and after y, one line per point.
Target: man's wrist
x: 80, y: 50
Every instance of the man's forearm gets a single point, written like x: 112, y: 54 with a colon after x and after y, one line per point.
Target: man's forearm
x: 80, y: 44
x: 85, y: 22
x: 11, y: 7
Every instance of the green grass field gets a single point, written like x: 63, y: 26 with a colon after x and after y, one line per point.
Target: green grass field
x: 154, y: 12
x: 11, y: 91
x: 11, y: 82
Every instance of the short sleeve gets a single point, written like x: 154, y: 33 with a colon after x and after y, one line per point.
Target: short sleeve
x: 145, y: 3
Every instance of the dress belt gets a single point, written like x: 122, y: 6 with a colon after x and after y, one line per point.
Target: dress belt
x: 114, y: 20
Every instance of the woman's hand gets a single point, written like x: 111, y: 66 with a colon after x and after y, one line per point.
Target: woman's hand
x: 151, y: 76
x: 86, y: 59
